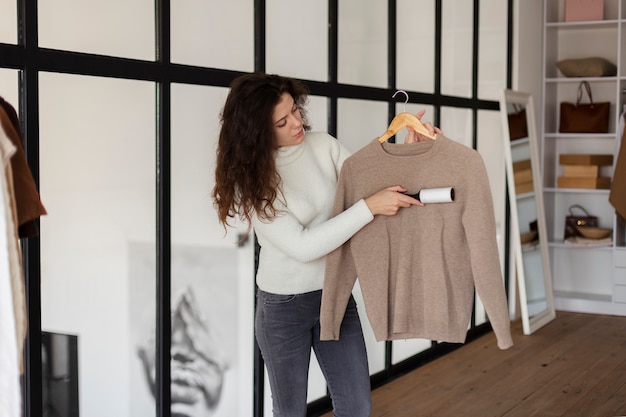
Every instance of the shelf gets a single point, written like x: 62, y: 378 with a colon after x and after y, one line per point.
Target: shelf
x: 583, y: 296
x: 563, y: 245
x: 531, y: 246
x: 591, y: 24
x: 576, y: 80
x: 588, y: 303
x: 584, y: 270
x: 556, y: 135
x: 575, y: 190
x: 520, y: 141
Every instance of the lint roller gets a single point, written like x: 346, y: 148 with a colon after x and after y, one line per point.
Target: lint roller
x: 434, y: 195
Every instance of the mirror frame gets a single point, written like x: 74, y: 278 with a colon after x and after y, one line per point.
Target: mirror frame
x: 529, y: 324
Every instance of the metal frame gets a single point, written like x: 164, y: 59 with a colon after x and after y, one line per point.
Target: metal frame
x: 29, y: 59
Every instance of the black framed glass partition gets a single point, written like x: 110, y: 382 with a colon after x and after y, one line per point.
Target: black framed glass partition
x: 120, y: 129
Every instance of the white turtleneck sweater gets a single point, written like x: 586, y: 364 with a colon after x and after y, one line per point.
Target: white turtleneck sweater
x: 295, y: 242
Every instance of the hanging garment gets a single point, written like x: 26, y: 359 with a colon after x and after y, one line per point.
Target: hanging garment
x: 14, y: 251
x: 27, y: 200
x: 617, y: 196
x: 10, y: 348
x: 418, y: 270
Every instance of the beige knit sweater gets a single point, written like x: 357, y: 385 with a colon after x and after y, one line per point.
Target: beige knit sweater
x: 418, y: 269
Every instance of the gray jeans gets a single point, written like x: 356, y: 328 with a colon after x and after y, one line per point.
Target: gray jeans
x: 287, y: 327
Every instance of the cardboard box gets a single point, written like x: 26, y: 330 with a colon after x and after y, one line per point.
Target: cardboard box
x: 522, y: 175
x: 586, y: 159
x: 584, y: 171
x: 523, y: 187
x: 521, y: 165
x: 592, y: 183
x: 583, y: 10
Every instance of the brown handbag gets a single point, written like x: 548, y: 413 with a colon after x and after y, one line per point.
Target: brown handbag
x: 572, y: 221
x: 584, y: 118
x: 517, y: 124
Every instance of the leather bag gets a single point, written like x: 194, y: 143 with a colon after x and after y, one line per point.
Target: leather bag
x: 584, y: 118
x: 573, y: 220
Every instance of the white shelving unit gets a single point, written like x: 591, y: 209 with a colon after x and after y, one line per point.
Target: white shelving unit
x: 585, y: 279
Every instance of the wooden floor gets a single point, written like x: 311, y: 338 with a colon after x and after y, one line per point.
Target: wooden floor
x: 575, y: 366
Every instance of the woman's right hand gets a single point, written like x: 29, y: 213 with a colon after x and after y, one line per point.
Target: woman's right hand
x: 388, y: 201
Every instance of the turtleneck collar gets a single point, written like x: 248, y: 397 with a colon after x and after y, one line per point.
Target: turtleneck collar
x: 288, y: 154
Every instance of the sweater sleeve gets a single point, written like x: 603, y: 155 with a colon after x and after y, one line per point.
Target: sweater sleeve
x: 305, y: 244
x: 340, y: 273
x: 480, y: 226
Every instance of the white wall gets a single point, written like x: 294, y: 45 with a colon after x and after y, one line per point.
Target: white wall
x: 526, y: 77
x: 527, y: 47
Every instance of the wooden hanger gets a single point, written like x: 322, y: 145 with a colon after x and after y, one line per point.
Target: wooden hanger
x: 402, y: 120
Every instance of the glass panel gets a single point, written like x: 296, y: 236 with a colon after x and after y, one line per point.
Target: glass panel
x: 298, y: 47
x: 456, y: 124
x: 414, y: 108
x: 267, y: 397
x: 317, y: 113
x: 456, y: 48
x: 9, y: 85
x: 213, y: 33
x: 480, y: 314
x: 98, y: 185
x: 114, y: 27
x: 362, y: 43
x: 375, y: 350
x: 212, y: 290
x: 404, y: 349
x: 8, y: 21
x: 359, y: 122
x: 416, y: 46
x: 195, y: 129
x: 492, y: 49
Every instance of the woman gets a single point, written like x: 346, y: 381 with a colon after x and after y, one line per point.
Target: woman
x: 281, y: 181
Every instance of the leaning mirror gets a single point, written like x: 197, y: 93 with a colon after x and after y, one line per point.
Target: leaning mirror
x: 529, y: 241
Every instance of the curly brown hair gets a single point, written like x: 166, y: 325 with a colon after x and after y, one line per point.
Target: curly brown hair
x: 246, y: 179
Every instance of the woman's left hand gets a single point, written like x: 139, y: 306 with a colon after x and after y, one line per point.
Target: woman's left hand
x: 414, y: 136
